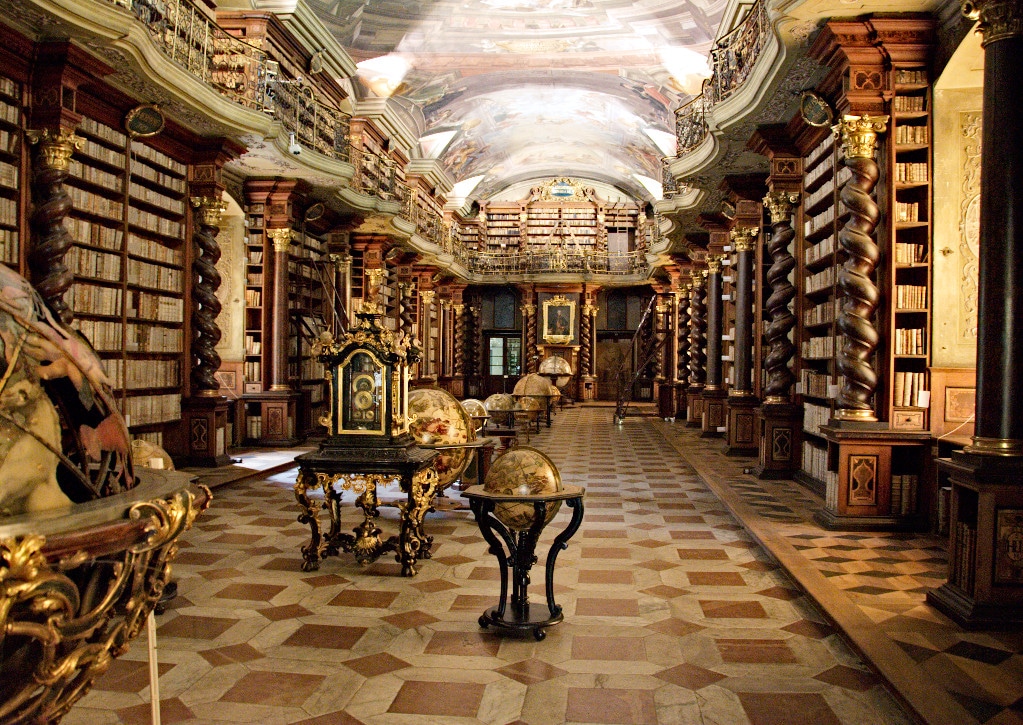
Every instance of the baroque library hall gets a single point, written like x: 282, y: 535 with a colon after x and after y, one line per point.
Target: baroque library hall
x: 327, y: 324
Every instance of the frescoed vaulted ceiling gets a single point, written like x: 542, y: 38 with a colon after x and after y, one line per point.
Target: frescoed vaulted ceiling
x: 516, y: 90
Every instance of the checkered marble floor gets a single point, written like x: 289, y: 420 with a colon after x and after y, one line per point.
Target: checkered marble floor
x: 873, y: 585
x: 673, y: 614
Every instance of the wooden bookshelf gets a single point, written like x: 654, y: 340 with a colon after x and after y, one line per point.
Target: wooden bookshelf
x: 11, y: 171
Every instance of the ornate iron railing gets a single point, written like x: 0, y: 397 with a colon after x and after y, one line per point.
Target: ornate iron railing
x: 315, y: 124
x: 241, y: 72
x: 560, y: 260
x: 732, y: 60
x: 185, y: 34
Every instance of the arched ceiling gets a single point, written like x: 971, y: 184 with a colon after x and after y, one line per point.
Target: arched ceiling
x: 515, y: 90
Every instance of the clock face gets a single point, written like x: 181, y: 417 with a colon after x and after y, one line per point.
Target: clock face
x: 362, y: 400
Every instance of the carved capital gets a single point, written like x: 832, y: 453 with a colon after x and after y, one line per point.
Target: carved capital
x: 208, y: 210
x: 426, y: 296
x: 55, y: 146
x: 698, y: 277
x: 999, y: 19
x: 281, y: 238
x: 714, y: 264
x: 458, y: 308
x: 590, y: 309
x: 529, y: 309
x: 859, y: 134
x: 780, y: 205
x: 744, y: 239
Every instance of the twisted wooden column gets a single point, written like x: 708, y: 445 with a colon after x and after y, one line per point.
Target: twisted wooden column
x: 459, y: 313
x: 50, y: 239
x: 859, y: 293
x: 532, y: 352
x: 714, y: 306
x: 477, y: 364
x: 426, y: 298
x: 698, y: 338
x: 205, y: 283
x: 682, y: 340
x: 586, y: 341
x: 658, y: 330
x: 406, y: 325
x: 780, y: 377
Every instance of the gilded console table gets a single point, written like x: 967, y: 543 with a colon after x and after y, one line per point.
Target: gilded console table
x: 361, y: 470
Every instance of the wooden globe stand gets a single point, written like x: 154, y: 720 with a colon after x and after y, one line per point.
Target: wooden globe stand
x: 518, y: 548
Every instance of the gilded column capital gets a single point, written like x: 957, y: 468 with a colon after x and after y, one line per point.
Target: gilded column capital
x: 55, y: 146
x: 427, y: 296
x: 859, y: 134
x: 590, y: 309
x: 208, y: 210
x: 529, y: 309
x: 714, y: 264
x: 445, y: 303
x: 281, y: 238
x: 999, y: 19
x: 744, y: 239
x: 459, y: 308
x: 698, y: 277
x: 780, y: 205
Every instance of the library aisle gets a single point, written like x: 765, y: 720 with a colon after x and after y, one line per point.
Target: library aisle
x: 673, y: 613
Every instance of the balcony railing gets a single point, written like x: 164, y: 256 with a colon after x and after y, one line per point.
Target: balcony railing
x: 560, y: 260
x: 429, y: 224
x: 241, y: 72
x: 732, y: 60
x: 187, y: 36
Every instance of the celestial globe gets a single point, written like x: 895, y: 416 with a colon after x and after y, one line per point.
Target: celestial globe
x: 436, y: 418
x: 523, y: 471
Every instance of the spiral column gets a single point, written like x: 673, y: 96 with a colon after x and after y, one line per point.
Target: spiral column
x: 697, y: 351
x: 205, y: 283
x: 459, y: 324
x: 859, y: 293
x: 51, y: 202
x: 780, y: 350
x: 532, y: 351
x: 586, y: 351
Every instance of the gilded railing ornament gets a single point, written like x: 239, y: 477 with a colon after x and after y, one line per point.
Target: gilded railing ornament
x: 999, y: 19
x: 66, y: 613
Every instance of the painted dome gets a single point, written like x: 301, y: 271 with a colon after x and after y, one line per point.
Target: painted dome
x: 499, y: 401
x: 436, y: 418
x: 522, y: 471
x: 62, y: 439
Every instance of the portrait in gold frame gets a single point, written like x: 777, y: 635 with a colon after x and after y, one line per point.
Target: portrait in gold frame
x: 559, y: 320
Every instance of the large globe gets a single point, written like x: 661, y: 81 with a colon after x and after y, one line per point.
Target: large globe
x: 62, y: 439
x: 556, y: 368
x: 436, y: 418
x: 523, y: 471
x: 499, y: 402
x: 533, y: 384
x: 477, y: 411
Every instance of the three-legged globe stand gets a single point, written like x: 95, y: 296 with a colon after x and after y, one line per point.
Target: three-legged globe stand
x: 518, y: 548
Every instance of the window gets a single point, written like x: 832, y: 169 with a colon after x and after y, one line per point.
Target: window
x: 505, y: 356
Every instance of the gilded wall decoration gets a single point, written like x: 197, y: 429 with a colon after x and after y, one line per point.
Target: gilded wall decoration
x: 969, y: 219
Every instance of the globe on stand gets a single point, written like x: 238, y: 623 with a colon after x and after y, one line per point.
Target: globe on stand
x: 523, y: 471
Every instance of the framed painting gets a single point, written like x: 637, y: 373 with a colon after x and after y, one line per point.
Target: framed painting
x: 559, y: 321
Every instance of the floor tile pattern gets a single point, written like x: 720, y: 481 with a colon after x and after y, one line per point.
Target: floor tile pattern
x: 886, y: 576
x: 673, y: 614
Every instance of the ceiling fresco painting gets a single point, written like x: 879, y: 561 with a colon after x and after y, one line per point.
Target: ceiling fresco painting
x: 517, y: 89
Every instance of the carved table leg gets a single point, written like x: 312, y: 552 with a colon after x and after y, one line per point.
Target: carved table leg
x: 412, y: 539
x: 367, y: 544
x: 309, y: 515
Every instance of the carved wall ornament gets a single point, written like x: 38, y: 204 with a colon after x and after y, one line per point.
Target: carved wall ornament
x: 859, y: 134
x: 970, y: 129
x: 999, y: 19
x: 281, y: 238
x: 780, y: 205
x: 55, y: 146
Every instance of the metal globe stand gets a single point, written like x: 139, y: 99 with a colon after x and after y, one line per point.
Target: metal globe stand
x: 518, y: 549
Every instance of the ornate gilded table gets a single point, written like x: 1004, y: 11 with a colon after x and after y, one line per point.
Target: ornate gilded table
x: 361, y: 470
x: 519, y: 549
